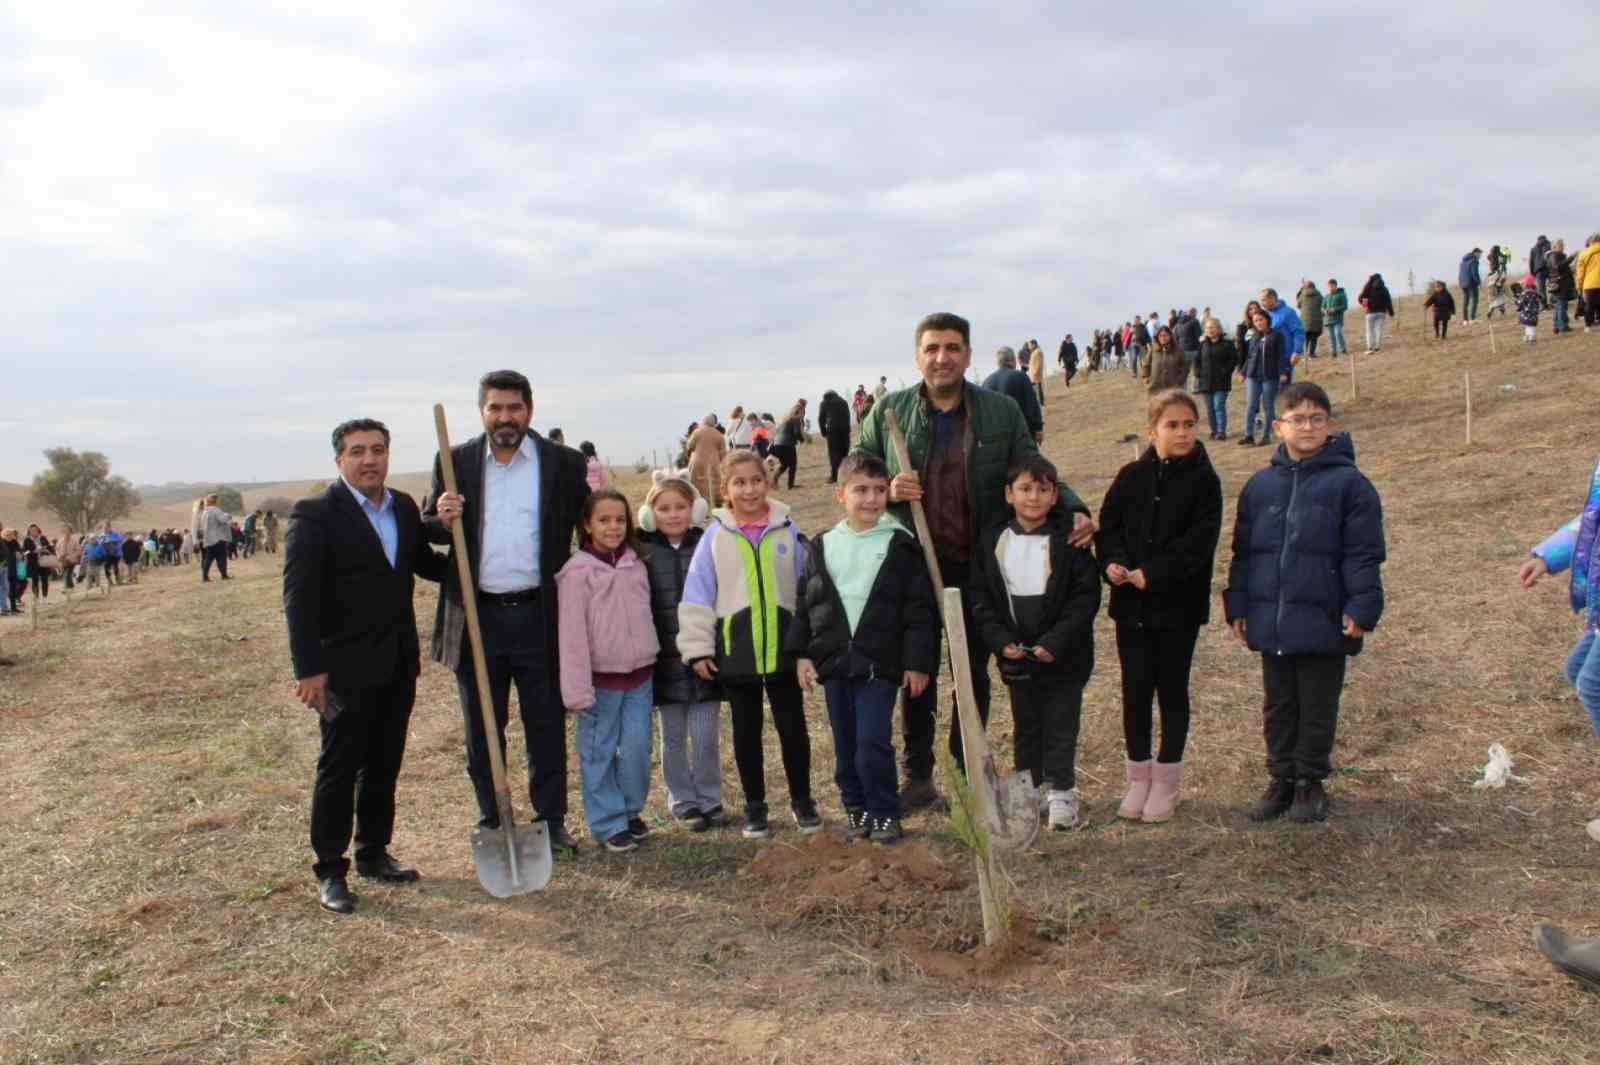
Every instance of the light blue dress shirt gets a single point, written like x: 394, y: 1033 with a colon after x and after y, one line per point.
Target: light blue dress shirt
x: 381, y: 515
x: 508, y: 558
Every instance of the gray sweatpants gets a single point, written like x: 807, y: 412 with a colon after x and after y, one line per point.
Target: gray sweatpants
x: 694, y: 779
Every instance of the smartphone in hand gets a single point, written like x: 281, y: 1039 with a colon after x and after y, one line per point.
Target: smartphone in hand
x: 332, y: 706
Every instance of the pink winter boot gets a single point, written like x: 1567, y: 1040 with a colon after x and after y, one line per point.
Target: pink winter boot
x: 1138, y: 790
x: 1163, y: 802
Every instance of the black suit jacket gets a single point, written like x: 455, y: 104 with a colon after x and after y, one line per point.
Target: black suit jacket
x: 563, y: 486
x: 349, y: 611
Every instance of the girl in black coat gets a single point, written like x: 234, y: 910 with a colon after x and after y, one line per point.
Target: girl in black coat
x: 1157, y: 544
x: 1213, y: 376
x: 690, y: 715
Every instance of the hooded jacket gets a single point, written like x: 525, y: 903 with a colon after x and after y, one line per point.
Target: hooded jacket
x: 1266, y: 359
x: 1334, y: 304
x: 1443, y: 304
x: 1468, y: 276
x: 1213, y: 370
x: 1162, y: 516
x: 1060, y: 619
x: 1309, y: 300
x: 1375, y: 296
x: 1573, y: 546
x: 1165, y: 368
x: 1287, y: 323
x: 668, y: 568
x: 1186, y: 333
x: 1308, y: 548
x: 1010, y: 381
x: 739, y: 599
x: 1536, y: 254
x: 605, y: 622
x: 1586, y: 271
x: 898, y: 628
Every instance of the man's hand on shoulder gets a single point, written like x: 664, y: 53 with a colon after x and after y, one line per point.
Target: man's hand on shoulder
x: 1083, y: 530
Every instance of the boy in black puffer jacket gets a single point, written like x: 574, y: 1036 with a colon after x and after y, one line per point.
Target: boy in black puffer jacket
x: 1034, y: 605
x: 1303, y: 589
x: 670, y: 523
x: 865, y: 624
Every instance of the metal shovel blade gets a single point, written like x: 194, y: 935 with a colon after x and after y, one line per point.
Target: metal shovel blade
x: 512, y: 859
x: 1014, y: 821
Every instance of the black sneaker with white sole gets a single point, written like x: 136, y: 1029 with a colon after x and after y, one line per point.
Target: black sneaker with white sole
x: 755, y: 821
x: 621, y: 843
x: 637, y: 828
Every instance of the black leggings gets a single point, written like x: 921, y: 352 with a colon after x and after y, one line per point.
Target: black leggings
x: 787, y: 460
x: 838, y: 448
x: 1155, y: 662
x: 40, y: 579
x: 1591, y: 307
x: 788, y: 714
x: 1441, y: 327
x: 1311, y: 343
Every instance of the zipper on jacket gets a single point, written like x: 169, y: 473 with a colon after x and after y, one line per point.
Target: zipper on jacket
x: 1283, y: 552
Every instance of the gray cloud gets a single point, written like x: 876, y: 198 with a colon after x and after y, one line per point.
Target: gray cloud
x: 226, y: 230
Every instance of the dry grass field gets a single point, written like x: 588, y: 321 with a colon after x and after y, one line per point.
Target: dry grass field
x: 156, y: 903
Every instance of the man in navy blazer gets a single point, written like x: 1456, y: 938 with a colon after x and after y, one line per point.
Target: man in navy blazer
x: 349, y: 560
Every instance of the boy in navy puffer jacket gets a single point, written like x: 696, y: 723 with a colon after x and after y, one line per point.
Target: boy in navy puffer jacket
x: 1304, y: 587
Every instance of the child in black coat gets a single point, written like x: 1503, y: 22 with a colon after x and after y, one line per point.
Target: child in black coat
x: 1157, y: 544
x: 1444, y: 308
x: 865, y: 625
x: 1035, y: 600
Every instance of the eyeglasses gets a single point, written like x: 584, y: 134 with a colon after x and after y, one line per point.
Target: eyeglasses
x: 1305, y: 421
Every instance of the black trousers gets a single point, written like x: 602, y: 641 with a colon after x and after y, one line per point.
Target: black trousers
x: 1441, y: 327
x: 920, y: 712
x: 787, y: 458
x: 356, y: 773
x: 214, y: 553
x: 1591, y: 307
x: 838, y: 448
x: 1301, y: 713
x: 39, y: 577
x: 515, y: 651
x: 1046, y: 710
x: 1155, y: 664
x: 788, y: 714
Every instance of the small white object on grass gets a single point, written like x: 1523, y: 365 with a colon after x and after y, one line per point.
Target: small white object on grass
x: 1497, y: 770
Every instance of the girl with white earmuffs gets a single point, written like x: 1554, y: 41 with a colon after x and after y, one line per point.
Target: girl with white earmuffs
x: 672, y: 521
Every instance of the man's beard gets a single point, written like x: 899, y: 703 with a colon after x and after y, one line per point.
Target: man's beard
x: 507, y: 435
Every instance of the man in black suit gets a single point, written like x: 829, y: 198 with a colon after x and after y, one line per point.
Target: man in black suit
x: 348, y: 565
x: 519, y: 500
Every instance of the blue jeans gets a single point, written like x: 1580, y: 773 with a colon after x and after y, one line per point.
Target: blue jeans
x: 1336, y: 343
x: 1583, y: 670
x: 5, y: 589
x: 1133, y: 360
x: 1558, y: 314
x: 614, y: 757
x: 1262, y: 395
x: 861, y: 711
x: 1469, y: 302
x: 1216, y: 405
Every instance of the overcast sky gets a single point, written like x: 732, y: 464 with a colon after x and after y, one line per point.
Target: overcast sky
x: 226, y: 227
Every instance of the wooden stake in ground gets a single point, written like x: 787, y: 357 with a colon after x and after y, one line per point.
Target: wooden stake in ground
x: 1467, y: 383
x: 975, y: 748
x: 1494, y: 345
x: 919, y: 517
x: 1355, y: 389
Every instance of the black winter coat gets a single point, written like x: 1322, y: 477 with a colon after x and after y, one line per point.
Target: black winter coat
x: 1375, y: 296
x: 1265, y: 360
x: 1072, y: 599
x: 1213, y: 370
x: 668, y: 568
x: 1187, y: 333
x: 899, y: 627
x: 1307, y: 549
x: 833, y: 416
x: 1162, y: 516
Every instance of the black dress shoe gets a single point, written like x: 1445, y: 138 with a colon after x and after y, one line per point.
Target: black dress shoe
x: 386, y: 868
x: 334, y: 894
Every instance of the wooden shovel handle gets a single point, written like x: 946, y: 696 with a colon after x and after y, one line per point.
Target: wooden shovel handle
x: 902, y: 457
x: 469, y: 602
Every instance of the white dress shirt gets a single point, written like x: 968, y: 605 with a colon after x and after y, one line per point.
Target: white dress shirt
x: 508, y: 557
x: 381, y: 515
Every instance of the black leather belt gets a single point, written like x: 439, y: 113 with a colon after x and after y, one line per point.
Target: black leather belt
x: 517, y: 598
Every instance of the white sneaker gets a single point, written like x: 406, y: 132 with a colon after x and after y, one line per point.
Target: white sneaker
x: 1593, y: 828
x: 1065, y: 813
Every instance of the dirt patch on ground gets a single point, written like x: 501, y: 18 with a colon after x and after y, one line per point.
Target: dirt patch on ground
x: 1025, y: 957
x: 824, y: 876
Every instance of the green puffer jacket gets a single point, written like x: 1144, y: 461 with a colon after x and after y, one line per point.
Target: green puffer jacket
x: 996, y: 435
x: 1309, y: 302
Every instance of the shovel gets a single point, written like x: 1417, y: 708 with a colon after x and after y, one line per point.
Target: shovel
x: 1010, y: 814
x: 512, y: 859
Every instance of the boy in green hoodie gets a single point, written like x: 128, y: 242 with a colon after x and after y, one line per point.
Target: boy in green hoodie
x: 865, y: 625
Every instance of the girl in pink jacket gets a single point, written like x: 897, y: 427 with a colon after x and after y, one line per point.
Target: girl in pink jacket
x: 608, y: 657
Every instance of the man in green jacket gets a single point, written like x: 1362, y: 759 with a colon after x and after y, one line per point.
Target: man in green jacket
x: 961, y: 441
x: 1334, y: 304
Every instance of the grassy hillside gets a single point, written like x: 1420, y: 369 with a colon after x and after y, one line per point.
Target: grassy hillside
x: 157, y: 903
